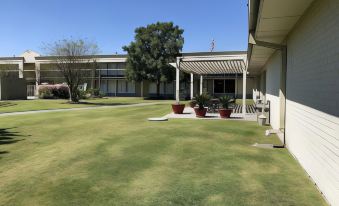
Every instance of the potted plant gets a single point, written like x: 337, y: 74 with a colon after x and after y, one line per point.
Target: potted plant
x: 178, y: 108
x: 225, y: 101
x: 192, y: 103
x: 201, y: 101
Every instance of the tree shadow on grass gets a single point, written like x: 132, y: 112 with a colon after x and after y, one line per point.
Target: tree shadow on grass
x: 104, y: 103
x: 7, y: 104
x: 84, y: 102
x: 9, y: 137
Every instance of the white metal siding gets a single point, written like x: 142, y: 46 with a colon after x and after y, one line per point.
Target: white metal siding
x: 312, y: 109
x: 273, y: 68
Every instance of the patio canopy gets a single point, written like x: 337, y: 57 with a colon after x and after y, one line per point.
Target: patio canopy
x: 228, y: 64
x: 211, y: 64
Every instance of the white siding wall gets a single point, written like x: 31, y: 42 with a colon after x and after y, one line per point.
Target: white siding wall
x: 312, y: 109
x: 273, y: 68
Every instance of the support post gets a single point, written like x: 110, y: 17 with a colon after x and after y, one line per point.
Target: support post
x: 201, y: 83
x: 236, y: 86
x: 21, y: 70
x: 282, y: 91
x: 177, y: 81
x: 244, y: 78
x: 192, y: 85
x: 37, y: 78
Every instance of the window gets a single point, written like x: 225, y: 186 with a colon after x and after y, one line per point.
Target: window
x: 111, y: 84
x: 126, y: 86
x: 229, y: 86
x: 224, y: 86
x: 219, y: 86
x: 103, y: 86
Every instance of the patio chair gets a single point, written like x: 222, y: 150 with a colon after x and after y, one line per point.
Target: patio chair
x: 213, y: 105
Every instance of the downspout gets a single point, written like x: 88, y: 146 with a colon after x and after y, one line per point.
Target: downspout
x: 283, y: 83
x: 283, y: 79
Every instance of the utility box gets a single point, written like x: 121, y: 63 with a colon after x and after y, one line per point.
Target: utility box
x: 13, y: 88
x: 262, y: 120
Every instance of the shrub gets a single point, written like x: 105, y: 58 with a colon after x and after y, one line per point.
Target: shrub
x: 45, y: 93
x: 84, y: 94
x: 192, y: 103
x: 57, y: 91
x: 95, y: 93
x: 202, y: 100
x: 61, y: 91
x: 225, y: 101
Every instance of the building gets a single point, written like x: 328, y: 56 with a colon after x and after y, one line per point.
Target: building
x: 31, y: 69
x: 293, y: 52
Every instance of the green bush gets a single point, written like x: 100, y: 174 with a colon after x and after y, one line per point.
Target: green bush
x: 56, y: 91
x: 95, y: 93
x: 202, y: 100
x: 225, y: 101
x: 45, y: 93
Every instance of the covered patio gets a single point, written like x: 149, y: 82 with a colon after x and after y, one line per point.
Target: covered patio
x: 211, y: 65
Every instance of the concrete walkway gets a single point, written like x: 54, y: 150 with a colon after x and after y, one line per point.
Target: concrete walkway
x: 74, y: 109
x: 190, y: 114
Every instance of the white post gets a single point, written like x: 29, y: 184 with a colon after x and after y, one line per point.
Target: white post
x: 177, y: 81
x: 37, y: 78
x: 21, y: 70
x: 201, y: 84
x: 244, y: 92
x: 192, y: 85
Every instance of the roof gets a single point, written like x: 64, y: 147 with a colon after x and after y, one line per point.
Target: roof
x: 11, y: 58
x: 213, y: 64
x: 29, y: 56
x: 93, y: 56
x: 271, y: 21
x: 214, y: 53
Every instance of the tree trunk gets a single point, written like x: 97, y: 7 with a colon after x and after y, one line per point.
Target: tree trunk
x: 158, y: 89
x: 74, y: 94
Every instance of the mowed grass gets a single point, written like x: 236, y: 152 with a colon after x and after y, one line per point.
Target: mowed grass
x: 44, y: 104
x: 116, y: 157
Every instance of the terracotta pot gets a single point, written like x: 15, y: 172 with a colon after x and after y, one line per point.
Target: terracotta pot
x: 178, y: 108
x: 225, y: 113
x: 200, y: 112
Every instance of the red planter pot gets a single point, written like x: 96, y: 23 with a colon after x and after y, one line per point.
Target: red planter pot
x: 200, y: 112
x: 178, y: 108
x: 225, y: 113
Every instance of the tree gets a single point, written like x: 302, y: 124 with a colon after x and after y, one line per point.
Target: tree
x: 75, y: 61
x: 149, y: 55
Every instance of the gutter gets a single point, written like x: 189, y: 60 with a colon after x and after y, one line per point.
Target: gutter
x: 283, y: 79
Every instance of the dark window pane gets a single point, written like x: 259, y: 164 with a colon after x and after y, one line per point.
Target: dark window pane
x: 218, y: 86
x: 229, y: 86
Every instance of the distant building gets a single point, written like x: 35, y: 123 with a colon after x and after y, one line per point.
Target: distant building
x: 31, y: 69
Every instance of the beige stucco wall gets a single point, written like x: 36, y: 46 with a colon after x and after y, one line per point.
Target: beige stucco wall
x: 312, y: 109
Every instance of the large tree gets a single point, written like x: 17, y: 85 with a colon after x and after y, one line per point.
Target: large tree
x: 75, y: 61
x: 149, y: 55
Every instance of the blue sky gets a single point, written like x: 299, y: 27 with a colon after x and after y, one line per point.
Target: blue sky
x: 28, y: 24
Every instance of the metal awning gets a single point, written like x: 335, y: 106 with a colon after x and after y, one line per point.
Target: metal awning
x: 212, y: 64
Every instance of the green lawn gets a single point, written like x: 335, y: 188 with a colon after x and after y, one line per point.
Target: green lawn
x: 116, y: 157
x: 248, y: 101
x: 39, y: 104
